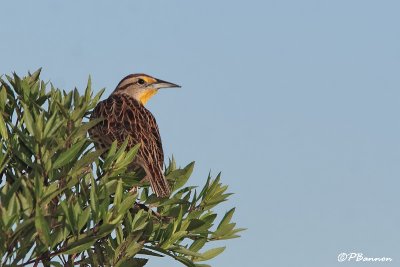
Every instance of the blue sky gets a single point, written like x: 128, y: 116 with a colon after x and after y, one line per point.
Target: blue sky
x: 296, y: 102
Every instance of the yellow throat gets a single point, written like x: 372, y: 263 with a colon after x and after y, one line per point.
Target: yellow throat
x: 146, y: 95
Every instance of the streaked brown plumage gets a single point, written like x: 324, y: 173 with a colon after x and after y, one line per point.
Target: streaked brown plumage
x: 125, y: 117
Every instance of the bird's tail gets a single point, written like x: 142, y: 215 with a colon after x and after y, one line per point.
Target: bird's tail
x: 159, y: 183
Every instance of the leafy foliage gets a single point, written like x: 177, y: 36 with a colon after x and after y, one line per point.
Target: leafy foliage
x: 61, y: 205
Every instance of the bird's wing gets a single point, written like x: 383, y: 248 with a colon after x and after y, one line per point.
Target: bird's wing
x: 109, y: 129
x: 156, y: 137
x: 124, y: 118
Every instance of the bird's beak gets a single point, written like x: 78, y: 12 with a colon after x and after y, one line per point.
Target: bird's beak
x: 163, y: 84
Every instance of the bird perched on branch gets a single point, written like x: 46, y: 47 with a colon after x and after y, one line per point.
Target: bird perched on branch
x: 125, y: 117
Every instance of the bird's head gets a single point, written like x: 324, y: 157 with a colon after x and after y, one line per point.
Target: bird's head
x: 141, y: 86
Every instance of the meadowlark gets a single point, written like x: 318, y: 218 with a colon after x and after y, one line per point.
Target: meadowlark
x: 125, y: 117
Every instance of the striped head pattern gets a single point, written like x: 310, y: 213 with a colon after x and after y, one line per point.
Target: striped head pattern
x: 141, y: 86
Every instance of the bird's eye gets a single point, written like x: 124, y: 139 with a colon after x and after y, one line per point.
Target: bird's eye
x: 141, y: 81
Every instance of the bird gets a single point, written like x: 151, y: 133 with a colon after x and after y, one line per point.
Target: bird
x: 124, y: 116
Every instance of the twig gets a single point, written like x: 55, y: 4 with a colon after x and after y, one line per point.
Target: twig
x: 154, y: 213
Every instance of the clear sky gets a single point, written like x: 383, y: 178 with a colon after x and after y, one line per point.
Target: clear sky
x: 296, y: 102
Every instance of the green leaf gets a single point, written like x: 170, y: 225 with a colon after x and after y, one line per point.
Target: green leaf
x: 3, y: 97
x: 181, y: 176
x: 94, y: 203
x: 29, y: 122
x: 38, y: 186
x: 83, y: 218
x: 3, y: 160
x: 76, y: 97
x: 187, y: 252
x: 198, y: 244
x: 3, y: 128
x: 212, y: 253
x: 127, y: 203
x: 86, y: 160
x: 128, y: 248
x: 42, y: 227
x: 227, y: 218
x: 88, y: 91
x: 174, y: 238
x: 68, y: 155
x: 49, y: 124
x: 35, y: 76
x: 96, y: 98
x: 74, y: 249
x: 118, y: 194
x: 105, y: 229
x: 225, y: 229
x: 49, y: 193
x: 133, y: 262
x: 12, y: 208
x: 141, y: 223
x: 194, y: 224
x: 84, y: 128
